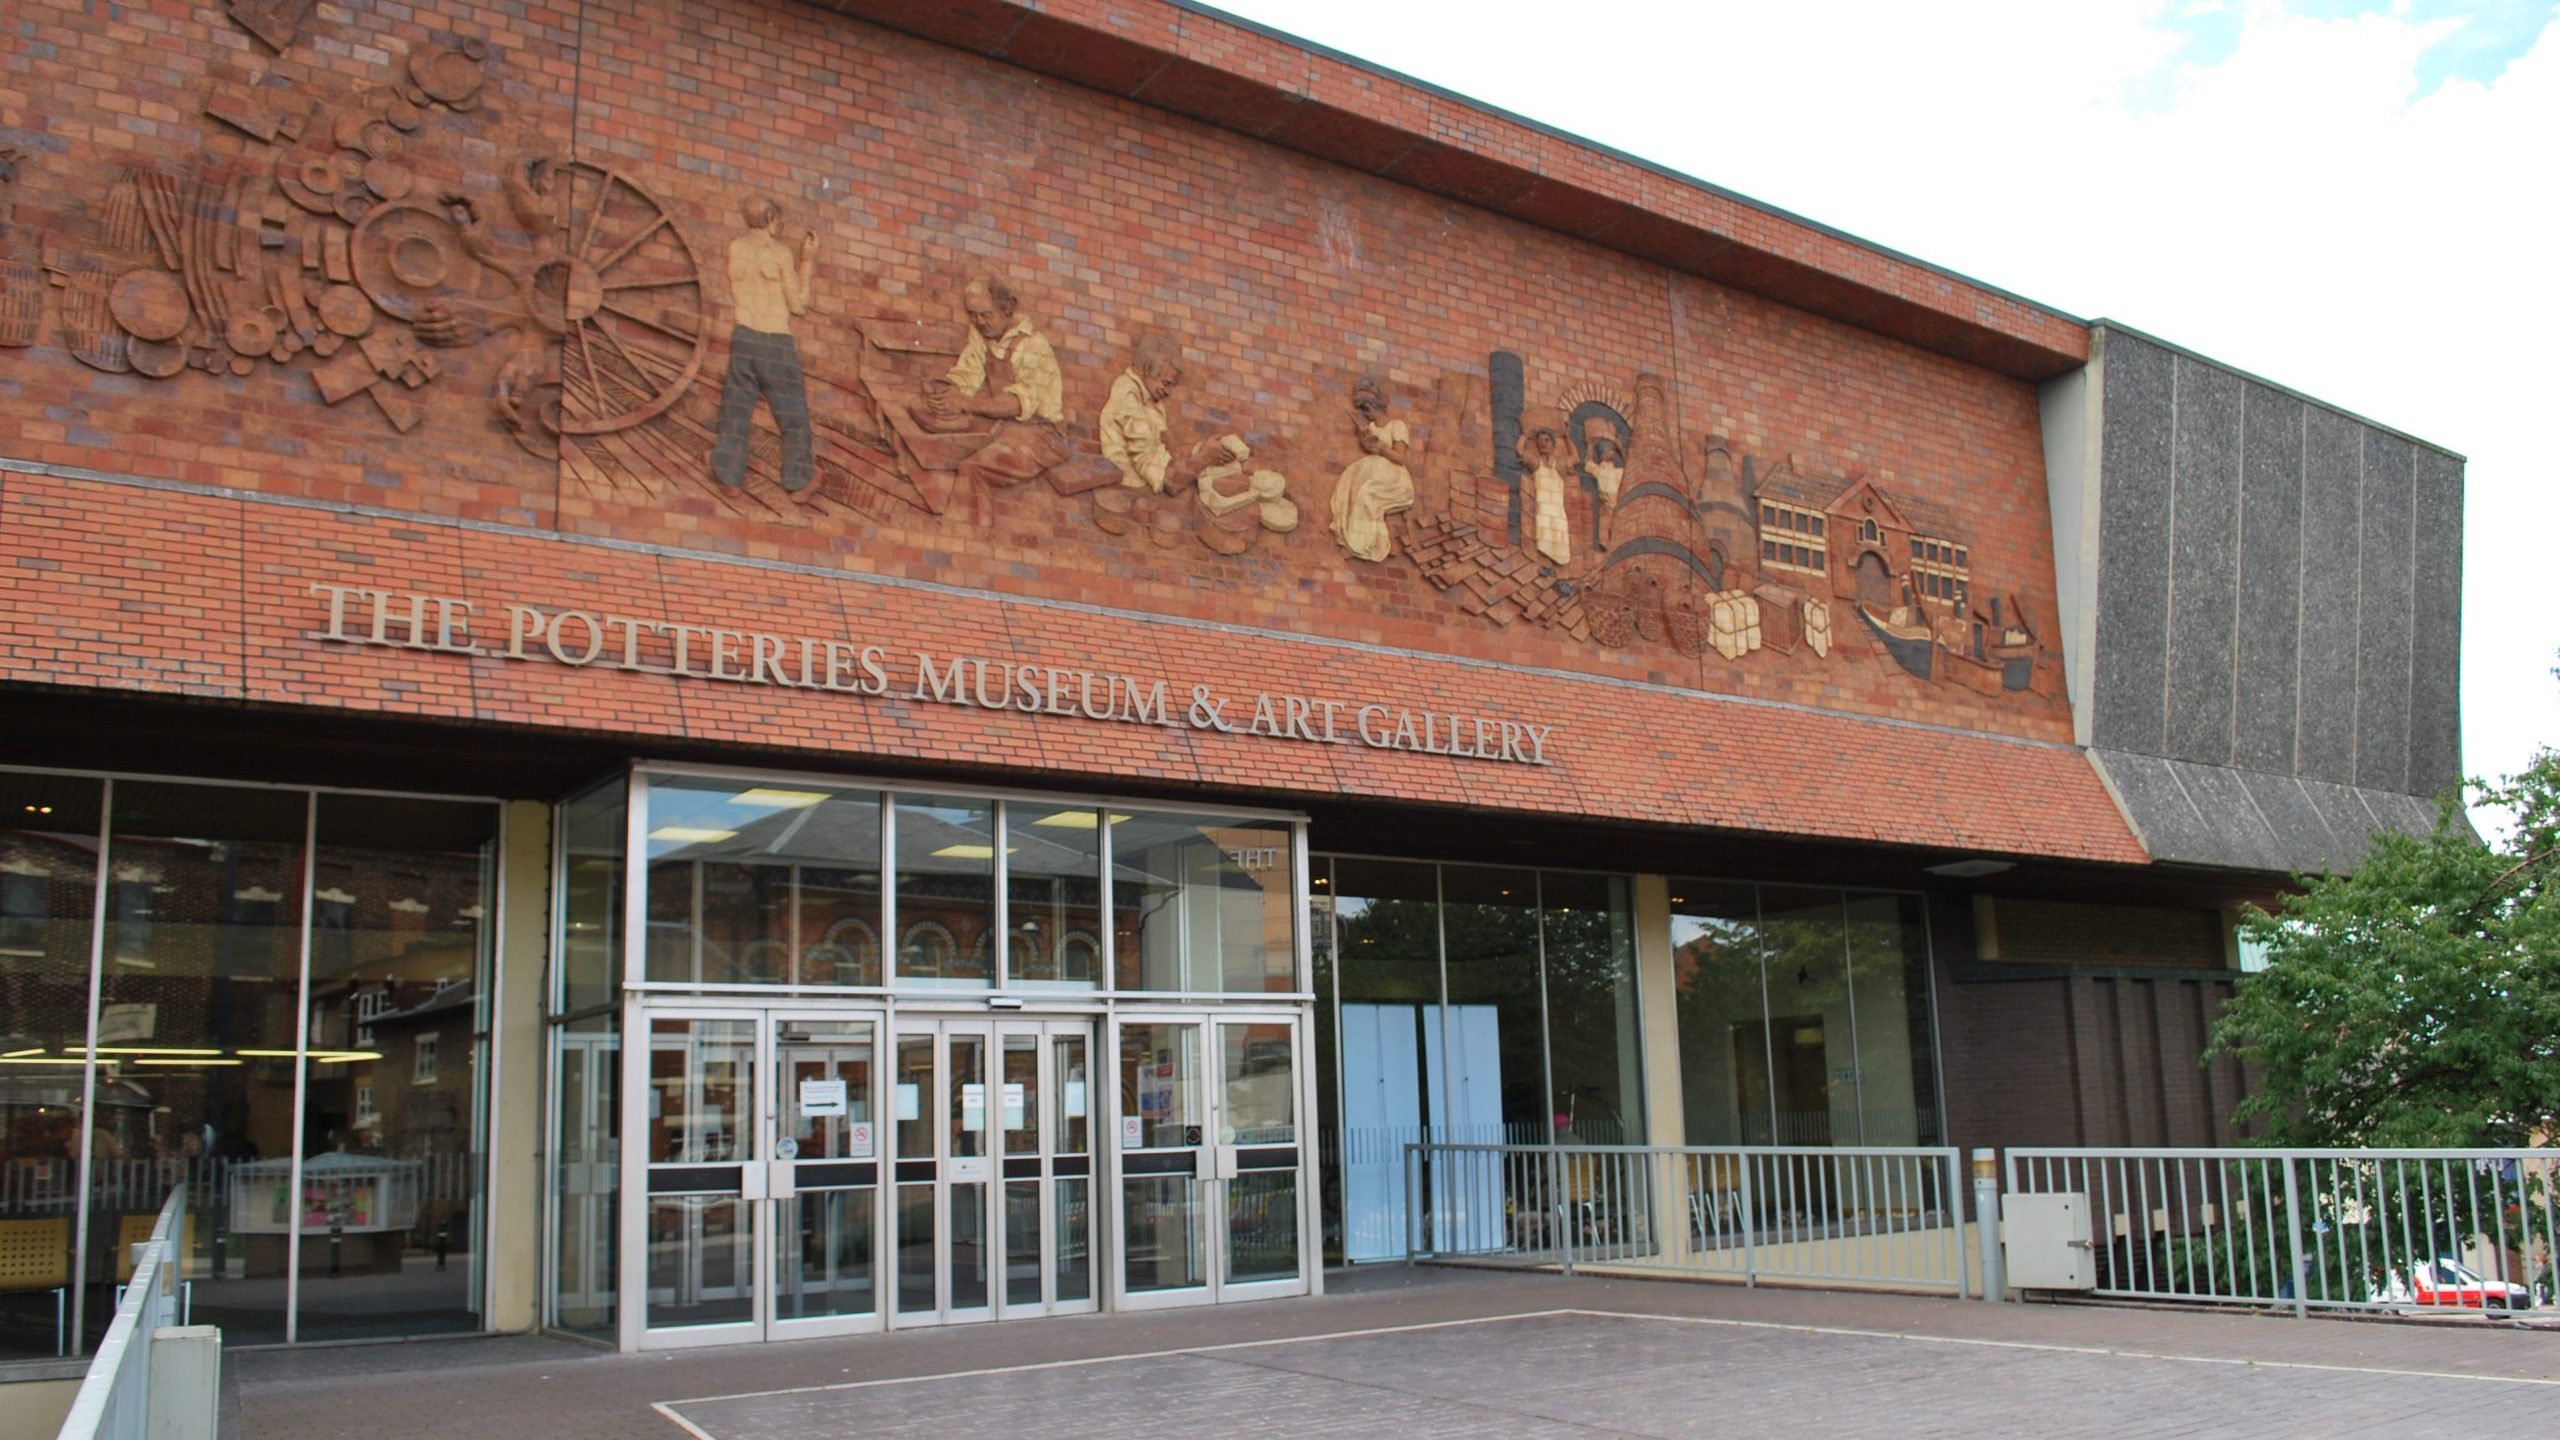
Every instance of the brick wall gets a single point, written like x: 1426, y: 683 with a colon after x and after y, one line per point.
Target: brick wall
x: 1284, y: 278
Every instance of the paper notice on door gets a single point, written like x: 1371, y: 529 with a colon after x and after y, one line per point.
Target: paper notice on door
x: 1133, y: 1132
x: 1013, y: 1105
x: 858, y: 1139
x: 910, y: 1101
x: 821, y: 1097
x: 973, y: 1107
x: 1075, y: 1099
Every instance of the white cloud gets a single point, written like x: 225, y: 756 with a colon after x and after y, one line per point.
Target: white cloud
x: 2315, y: 200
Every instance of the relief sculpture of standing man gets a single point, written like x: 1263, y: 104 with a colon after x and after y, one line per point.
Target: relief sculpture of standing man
x: 768, y: 284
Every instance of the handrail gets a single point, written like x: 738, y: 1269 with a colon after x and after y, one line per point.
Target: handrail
x: 115, y: 1396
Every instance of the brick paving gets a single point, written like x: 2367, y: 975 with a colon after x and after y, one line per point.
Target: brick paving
x: 1451, y: 1352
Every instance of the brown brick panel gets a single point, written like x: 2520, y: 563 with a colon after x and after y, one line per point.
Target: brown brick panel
x: 1619, y: 752
x: 118, y: 587
x: 1241, y: 78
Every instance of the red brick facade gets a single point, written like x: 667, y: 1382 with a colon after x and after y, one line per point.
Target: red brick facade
x: 1378, y: 230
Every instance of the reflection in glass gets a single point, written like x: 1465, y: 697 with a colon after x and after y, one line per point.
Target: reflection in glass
x: 1715, y: 962
x: 916, y: 1221
x: 1166, y: 1245
x: 1202, y: 905
x: 1493, y: 1031
x: 1596, y: 1051
x: 391, y: 1173
x: 48, y: 891
x: 946, y: 889
x: 1328, y: 1059
x: 826, y: 1230
x: 1811, y: 1046
x: 1839, y: 1051
x: 762, y: 884
x: 1022, y: 1242
x: 592, y: 834
x: 1388, y: 964
x: 203, y: 957
x: 1258, y: 1087
x: 586, y: 1056
x: 1262, y: 1226
x: 1075, y: 1240
x: 1889, y: 987
x: 1160, y: 1082
x: 702, y: 1115
x: 830, y: 1231
x: 1053, y: 880
x: 701, y: 1260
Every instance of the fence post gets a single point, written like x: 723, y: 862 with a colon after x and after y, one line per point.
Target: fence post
x: 1750, y: 1236
x: 2293, y: 1234
x: 1564, y: 1206
x: 1412, y: 1201
x: 1953, y: 1180
x: 1986, y: 1221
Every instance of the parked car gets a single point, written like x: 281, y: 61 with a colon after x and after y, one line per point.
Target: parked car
x: 2446, y: 1283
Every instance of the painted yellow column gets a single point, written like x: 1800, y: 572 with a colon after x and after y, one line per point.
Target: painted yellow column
x: 1665, y: 1118
x: 515, y: 1120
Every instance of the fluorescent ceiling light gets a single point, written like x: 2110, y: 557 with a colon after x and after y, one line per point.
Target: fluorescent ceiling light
x: 692, y: 834
x: 22, y: 1054
x: 269, y: 1054
x: 41, y: 1060
x: 154, y: 1050
x: 965, y: 852
x: 343, y: 1057
x: 191, y: 1064
x: 773, y: 799
x: 1075, y: 820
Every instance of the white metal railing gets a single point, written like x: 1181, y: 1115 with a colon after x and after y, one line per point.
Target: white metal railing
x: 2388, y: 1230
x: 114, y: 1402
x: 1854, y: 1215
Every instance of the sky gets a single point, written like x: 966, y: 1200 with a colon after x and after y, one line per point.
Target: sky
x: 2358, y: 201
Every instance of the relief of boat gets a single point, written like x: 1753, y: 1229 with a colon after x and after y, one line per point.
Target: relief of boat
x: 1906, y: 636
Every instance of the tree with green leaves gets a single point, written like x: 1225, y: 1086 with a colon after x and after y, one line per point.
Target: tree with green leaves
x: 2416, y: 1000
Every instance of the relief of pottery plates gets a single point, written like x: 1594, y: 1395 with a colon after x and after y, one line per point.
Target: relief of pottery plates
x: 393, y: 106
x: 158, y: 359
x: 406, y: 254
x: 353, y: 204
x: 448, y: 77
x: 150, y: 304
x: 309, y: 180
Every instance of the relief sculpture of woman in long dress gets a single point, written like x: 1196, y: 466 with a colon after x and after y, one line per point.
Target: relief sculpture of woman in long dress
x: 1377, y: 484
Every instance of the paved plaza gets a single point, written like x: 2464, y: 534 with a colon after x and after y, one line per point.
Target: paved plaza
x: 1425, y: 1353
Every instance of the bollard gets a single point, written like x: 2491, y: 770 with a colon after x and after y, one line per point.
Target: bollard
x: 1986, y: 1220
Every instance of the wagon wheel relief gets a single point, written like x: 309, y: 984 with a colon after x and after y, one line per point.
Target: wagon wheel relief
x: 620, y: 293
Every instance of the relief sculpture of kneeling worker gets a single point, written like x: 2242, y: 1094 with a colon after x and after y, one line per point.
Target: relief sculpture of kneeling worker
x: 1133, y: 421
x: 768, y: 284
x: 1006, y: 373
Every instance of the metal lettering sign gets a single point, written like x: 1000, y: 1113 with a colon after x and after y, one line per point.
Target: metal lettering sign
x: 581, y: 639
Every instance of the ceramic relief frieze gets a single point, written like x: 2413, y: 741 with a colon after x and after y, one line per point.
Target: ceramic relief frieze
x: 669, y: 346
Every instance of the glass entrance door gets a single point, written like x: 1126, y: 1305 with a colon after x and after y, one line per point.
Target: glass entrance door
x: 756, y: 1184
x: 994, y: 1169
x: 1212, y: 1204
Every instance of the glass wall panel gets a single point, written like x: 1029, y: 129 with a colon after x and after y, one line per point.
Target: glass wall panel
x: 391, y: 1172
x: 48, y: 899
x: 1493, y: 1028
x: 1889, y: 984
x: 1723, y: 1012
x: 1203, y: 905
x: 1053, y: 870
x: 1594, y: 1037
x: 763, y: 885
x: 587, y: 1102
x: 1387, y: 964
x: 946, y: 889
x: 199, y: 1004
x: 1811, y: 1048
x: 591, y: 881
